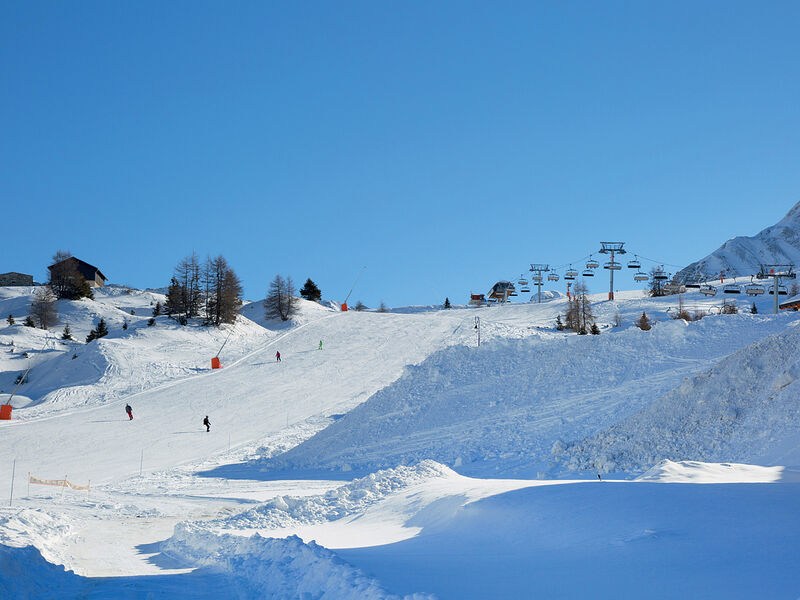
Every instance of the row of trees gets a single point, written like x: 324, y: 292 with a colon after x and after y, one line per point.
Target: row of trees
x: 210, y: 290
x: 579, y: 317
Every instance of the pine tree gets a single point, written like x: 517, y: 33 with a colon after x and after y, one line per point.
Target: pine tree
x: 124, y: 324
x: 447, y: 302
x: 310, y: 291
x: 157, y: 309
x: 559, y: 324
x: 10, y: 319
x: 67, y: 334
x: 151, y: 321
x: 753, y: 309
x: 382, y: 308
x: 100, y: 331
x: 594, y: 329
x: 360, y: 306
x: 643, y: 323
x: 28, y: 322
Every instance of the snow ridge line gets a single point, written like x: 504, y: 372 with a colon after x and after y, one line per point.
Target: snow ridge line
x: 170, y: 384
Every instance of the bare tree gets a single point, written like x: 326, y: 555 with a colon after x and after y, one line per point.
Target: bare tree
x: 185, y: 295
x: 383, y: 309
x: 223, y: 291
x: 281, y: 302
x: 655, y: 288
x: 43, y: 308
x: 579, y: 313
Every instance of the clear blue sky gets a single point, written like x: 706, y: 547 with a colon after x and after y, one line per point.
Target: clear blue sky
x: 444, y: 145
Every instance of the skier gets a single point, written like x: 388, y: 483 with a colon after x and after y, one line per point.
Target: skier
x: 320, y: 345
x: 278, y: 356
x: 207, y: 423
x: 129, y: 410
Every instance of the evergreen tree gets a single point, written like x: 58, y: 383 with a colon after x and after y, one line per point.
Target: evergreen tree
x: 594, y: 329
x: 10, y: 319
x: 28, y: 322
x: 559, y: 324
x: 310, y: 291
x: 124, y: 324
x: 151, y: 321
x: 157, y: 309
x: 360, y: 306
x: 67, y: 334
x: 643, y: 323
x: 100, y: 331
x: 753, y: 309
x: 382, y: 308
x: 447, y: 302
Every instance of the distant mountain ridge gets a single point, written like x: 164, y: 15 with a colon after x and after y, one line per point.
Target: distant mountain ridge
x: 741, y: 256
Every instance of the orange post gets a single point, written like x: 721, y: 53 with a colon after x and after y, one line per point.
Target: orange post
x: 5, y: 412
x: 215, y: 364
x: 344, y: 306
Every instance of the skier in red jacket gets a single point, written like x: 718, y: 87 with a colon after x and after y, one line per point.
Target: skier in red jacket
x: 129, y: 410
x: 278, y: 356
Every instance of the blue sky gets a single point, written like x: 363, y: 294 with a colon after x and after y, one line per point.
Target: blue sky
x: 443, y: 145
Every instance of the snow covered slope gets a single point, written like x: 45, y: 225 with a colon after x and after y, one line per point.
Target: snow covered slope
x: 741, y: 256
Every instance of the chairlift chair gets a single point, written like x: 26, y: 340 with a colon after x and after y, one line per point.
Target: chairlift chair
x: 525, y: 289
x: 782, y: 291
x: 552, y: 277
x: 591, y: 264
x: 660, y: 275
x: 641, y: 276
x: 754, y: 289
x: 522, y: 280
x: 570, y: 274
x: 635, y: 264
x: 612, y: 265
x: 536, y: 277
x: 708, y: 290
x: 588, y: 273
x: 732, y: 289
x: 692, y: 284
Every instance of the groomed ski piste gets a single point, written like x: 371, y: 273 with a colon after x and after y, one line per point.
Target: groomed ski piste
x: 401, y: 459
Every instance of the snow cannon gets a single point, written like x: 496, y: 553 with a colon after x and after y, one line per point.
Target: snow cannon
x: 5, y: 412
x: 215, y: 364
x: 344, y: 306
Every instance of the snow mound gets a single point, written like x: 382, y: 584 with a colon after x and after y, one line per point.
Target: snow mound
x: 34, y: 527
x: 349, y: 499
x: 275, y: 568
x: 743, y: 409
x: 691, y: 471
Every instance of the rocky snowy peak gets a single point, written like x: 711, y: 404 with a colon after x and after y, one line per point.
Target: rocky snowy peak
x: 741, y: 256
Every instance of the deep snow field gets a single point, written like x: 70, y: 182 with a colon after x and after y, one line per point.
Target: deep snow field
x: 401, y: 460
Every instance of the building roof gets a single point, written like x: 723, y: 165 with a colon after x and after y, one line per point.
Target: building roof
x: 793, y: 301
x: 84, y: 268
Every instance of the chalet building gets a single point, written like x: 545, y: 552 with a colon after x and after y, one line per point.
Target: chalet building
x: 792, y: 303
x: 90, y: 273
x: 15, y: 279
x: 477, y: 299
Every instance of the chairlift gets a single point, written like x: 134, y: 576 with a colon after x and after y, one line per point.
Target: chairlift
x: 612, y: 265
x: 660, y: 275
x: 522, y: 280
x: 673, y: 287
x: 732, y: 289
x: 536, y: 277
x: 525, y: 289
x: 692, y: 284
x: 708, y: 290
x: 570, y: 274
x: 782, y: 291
x: 635, y: 264
x: 754, y: 289
x: 641, y: 276
x: 552, y: 277
x: 591, y: 264
x: 588, y: 273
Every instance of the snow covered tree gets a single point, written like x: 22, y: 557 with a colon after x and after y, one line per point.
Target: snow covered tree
x: 360, y: 306
x: 382, y: 308
x: 643, y: 322
x: 310, y: 291
x: 65, y: 281
x: 559, y: 324
x: 10, y: 319
x: 100, y: 331
x: 43, y: 308
x: 281, y: 302
x: 447, y: 302
x: 157, y: 309
x: 67, y: 333
x: 28, y: 322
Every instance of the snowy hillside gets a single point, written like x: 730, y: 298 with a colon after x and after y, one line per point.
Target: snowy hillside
x: 741, y: 256
x: 350, y: 471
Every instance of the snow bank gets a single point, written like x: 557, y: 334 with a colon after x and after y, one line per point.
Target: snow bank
x: 34, y: 527
x: 349, y: 499
x: 744, y: 409
x: 275, y: 568
x: 690, y: 471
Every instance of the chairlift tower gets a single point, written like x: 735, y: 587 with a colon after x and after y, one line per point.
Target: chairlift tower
x: 537, y: 269
x: 777, y: 272
x: 612, y: 248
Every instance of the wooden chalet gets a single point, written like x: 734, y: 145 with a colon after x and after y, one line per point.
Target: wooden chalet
x: 93, y: 276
